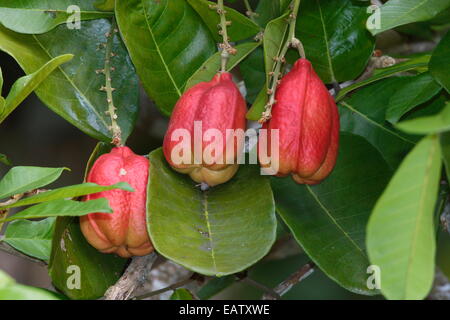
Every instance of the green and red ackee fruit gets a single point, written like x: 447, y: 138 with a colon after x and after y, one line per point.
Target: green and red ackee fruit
x: 308, y: 122
x: 217, y: 105
x: 123, y: 232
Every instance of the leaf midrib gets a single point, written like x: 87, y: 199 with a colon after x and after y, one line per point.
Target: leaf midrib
x: 327, y: 45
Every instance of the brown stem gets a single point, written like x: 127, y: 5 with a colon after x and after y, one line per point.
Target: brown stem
x: 295, y: 278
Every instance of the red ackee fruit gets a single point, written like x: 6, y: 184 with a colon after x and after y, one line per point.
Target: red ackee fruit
x: 308, y: 122
x: 123, y: 232
x: 215, y: 105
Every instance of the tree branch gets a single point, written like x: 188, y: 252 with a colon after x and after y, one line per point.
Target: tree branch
x: 295, y: 278
x: 134, y: 277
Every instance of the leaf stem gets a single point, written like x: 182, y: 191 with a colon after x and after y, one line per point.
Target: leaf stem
x: 250, y: 13
x: 291, y: 41
x: 225, y: 46
x: 115, y: 129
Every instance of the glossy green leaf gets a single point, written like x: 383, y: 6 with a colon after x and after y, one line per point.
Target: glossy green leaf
x: 24, y: 86
x: 68, y: 192
x: 329, y: 219
x: 33, y: 238
x: 1, y: 82
x: 211, y: 66
x: 418, y: 90
x: 258, y: 106
x: 268, y: 10
x: 38, y: 16
x: 334, y: 38
x: 427, y: 125
x: 217, y: 232
x: 62, y: 208
x: 4, y: 159
x: 241, y: 27
x: 252, y: 70
x: 363, y: 114
x: 182, y: 294
x: 73, y: 256
x: 399, y: 12
x: 410, y: 65
x: 440, y: 62
x: 21, y: 179
x: 274, y: 38
x: 167, y: 42
x: 10, y: 290
x: 77, y: 83
x: 401, y: 231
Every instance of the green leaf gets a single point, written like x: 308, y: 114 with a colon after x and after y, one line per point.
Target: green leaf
x: 252, y: 70
x: 33, y: 238
x: 417, y: 63
x: 274, y: 38
x: 10, y: 290
x: 217, y: 232
x: 68, y: 192
x: 241, y: 27
x: 79, y: 99
x: 24, y: 86
x: 214, y: 286
x: 21, y: 179
x: 428, y: 125
x: 363, y: 114
x: 72, y: 253
x: 167, y: 42
x: 440, y: 62
x: 1, y: 83
x: 5, y: 160
x: 333, y: 36
x: 182, y: 294
x: 62, y: 208
x: 395, y: 13
x: 401, y: 232
x: 37, y: 16
x: 105, y: 5
x: 329, y: 219
x: 211, y: 66
x: 418, y: 90
x: 268, y: 10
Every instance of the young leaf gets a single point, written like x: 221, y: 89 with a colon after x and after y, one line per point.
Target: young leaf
x: 10, y: 290
x: 25, y: 85
x: 274, y: 38
x: 211, y: 66
x: 36, y: 16
x: 167, y: 42
x: 75, y: 261
x: 363, y: 114
x: 329, y: 219
x: 440, y: 62
x: 21, y: 179
x: 62, y: 208
x: 417, y: 63
x: 68, y: 192
x: 79, y: 99
x: 395, y: 13
x: 418, y: 90
x: 33, y: 238
x: 401, y: 232
x: 427, y: 125
x: 338, y: 38
x: 217, y: 232
x: 4, y: 159
x: 182, y: 294
x: 241, y: 27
